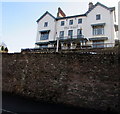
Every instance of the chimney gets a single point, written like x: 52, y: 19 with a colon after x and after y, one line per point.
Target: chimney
x: 90, y: 6
x: 60, y: 13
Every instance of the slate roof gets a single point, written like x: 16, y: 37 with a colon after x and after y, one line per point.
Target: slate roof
x: 44, y: 15
x: 98, y: 3
x: 70, y: 16
x: 58, y: 18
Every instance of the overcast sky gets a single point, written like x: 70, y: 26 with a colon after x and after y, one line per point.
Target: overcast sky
x: 19, y: 27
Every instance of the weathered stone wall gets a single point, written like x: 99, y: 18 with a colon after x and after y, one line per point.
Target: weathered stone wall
x: 85, y: 80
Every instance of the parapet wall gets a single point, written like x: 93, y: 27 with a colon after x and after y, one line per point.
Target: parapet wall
x: 84, y: 80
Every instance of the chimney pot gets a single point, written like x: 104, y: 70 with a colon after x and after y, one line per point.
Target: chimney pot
x: 90, y: 6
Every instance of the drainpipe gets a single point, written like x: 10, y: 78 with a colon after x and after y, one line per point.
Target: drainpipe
x: 57, y: 49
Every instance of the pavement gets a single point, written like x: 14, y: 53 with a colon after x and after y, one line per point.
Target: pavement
x: 14, y: 104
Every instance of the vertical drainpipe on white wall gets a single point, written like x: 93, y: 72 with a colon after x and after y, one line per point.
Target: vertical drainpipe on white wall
x: 55, y: 35
x: 55, y: 29
x: 111, y: 30
x: 57, y: 38
x: 36, y: 46
x: 57, y: 49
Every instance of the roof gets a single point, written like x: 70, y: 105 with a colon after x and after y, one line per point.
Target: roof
x: 44, y: 15
x: 44, y: 31
x: 58, y: 18
x: 98, y: 3
x: 66, y: 17
x: 98, y: 24
x: 46, y: 43
x: 98, y: 38
x: 42, y: 43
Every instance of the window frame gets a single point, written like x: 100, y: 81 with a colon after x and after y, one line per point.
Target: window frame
x: 61, y: 35
x: 98, y: 44
x: 80, y: 21
x: 45, y: 24
x: 70, y: 35
x: 71, y: 22
x: 44, y: 36
x: 98, y: 30
x: 62, y: 23
x: 79, y: 31
x: 98, y: 17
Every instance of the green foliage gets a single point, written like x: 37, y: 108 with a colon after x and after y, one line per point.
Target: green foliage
x: 6, y: 49
x: 2, y: 48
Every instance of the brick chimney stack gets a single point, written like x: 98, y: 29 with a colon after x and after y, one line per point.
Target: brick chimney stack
x: 90, y: 5
x: 60, y: 13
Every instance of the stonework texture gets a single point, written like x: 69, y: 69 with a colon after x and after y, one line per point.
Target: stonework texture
x: 83, y: 80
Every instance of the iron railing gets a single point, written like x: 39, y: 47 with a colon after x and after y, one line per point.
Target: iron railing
x: 71, y: 37
x: 53, y: 49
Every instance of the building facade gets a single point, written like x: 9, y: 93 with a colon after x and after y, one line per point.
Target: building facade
x: 94, y: 29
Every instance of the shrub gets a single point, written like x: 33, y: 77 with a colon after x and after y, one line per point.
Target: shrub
x: 6, y: 49
x: 2, y: 48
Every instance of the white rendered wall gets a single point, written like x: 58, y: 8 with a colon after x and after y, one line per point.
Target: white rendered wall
x: 106, y: 17
x: 68, y: 27
x: 55, y: 27
x: 51, y: 26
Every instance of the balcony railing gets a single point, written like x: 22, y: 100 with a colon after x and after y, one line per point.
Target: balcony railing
x: 71, y: 37
x: 77, y: 48
x: 103, y: 45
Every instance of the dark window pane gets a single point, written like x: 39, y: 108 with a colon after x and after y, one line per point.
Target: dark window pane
x: 44, y: 36
x: 98, y: 17
x: 98, y: 30
x: 98, y: 44
x: 70, y: 33
x: 71, y: 22
x: 79, y: 21
x: 62, y: 23
x: 79, y: 33
x: 61, y: 34
x: 45, y: 24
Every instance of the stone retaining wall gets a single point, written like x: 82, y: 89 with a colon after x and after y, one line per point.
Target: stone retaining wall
x: 84, y: 80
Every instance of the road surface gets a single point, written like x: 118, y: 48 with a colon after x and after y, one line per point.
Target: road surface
x: 13, y: 104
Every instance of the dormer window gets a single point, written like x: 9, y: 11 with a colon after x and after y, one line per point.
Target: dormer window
x: 71, y: 22
x: 98, y: 17
x: 45, y: 24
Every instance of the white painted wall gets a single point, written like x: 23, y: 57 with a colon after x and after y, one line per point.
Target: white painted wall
x: 106, y: 17
x: 68, y: 27
x: 51, y: 26
x: 55, y: 27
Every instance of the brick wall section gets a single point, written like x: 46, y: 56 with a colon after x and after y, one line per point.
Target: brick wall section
x: 84, y: 80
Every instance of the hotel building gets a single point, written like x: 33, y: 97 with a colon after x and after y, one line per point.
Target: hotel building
x: 96, y: 28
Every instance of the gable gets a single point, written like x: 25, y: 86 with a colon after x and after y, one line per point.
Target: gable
x: 46, y: 13
x: 101, y: 5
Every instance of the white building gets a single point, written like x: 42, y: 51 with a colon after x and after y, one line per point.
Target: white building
x: 95, y: 28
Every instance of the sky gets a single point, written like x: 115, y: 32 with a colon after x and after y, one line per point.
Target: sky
x: 18, y: 18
